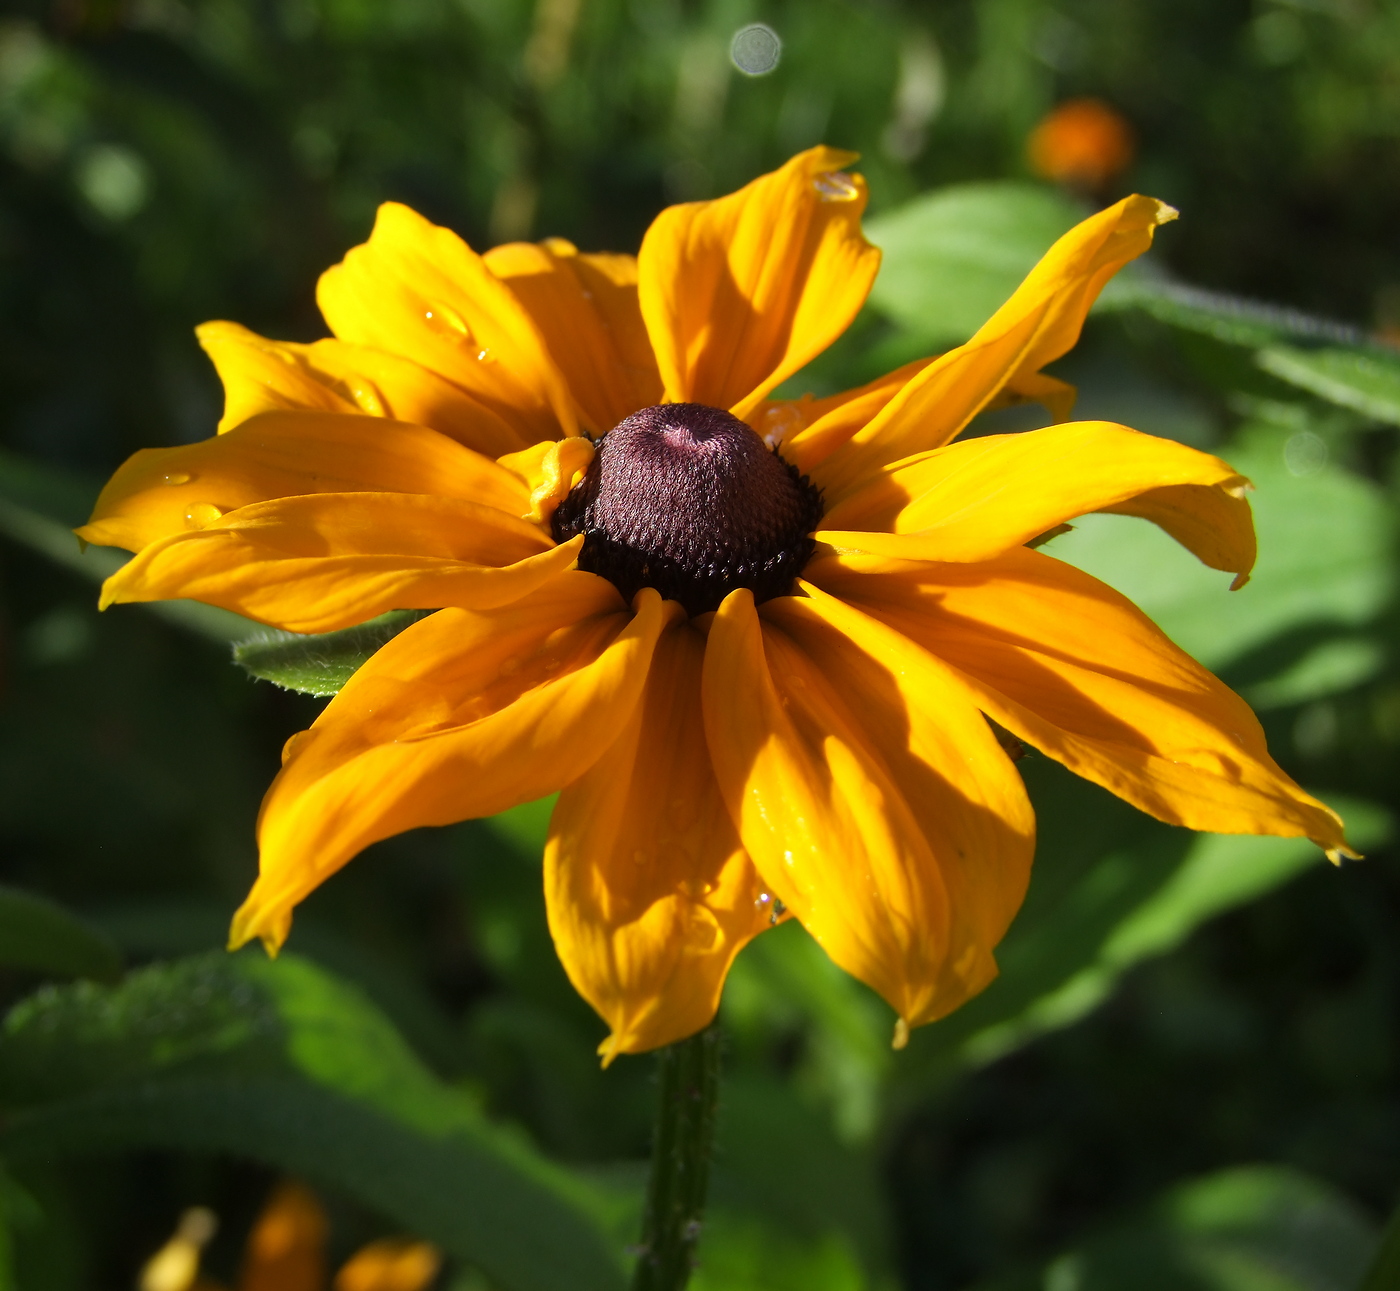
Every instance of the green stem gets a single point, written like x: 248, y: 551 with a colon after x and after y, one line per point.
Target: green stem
x: 680, y: 1162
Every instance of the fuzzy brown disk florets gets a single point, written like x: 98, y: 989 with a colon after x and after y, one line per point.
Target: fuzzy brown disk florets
x: 689, y: 500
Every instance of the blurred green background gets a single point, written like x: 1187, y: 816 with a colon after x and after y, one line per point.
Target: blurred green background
x: 1187, y: 1078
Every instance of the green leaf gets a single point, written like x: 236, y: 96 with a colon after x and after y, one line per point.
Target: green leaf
x: 1365, y: 380
x: 39, y: 936
x: 1325, y: 555
x: 321, y: 663
x: 1235, y: 320
x: 953, y: 257
x: 281, y: 1062
x: 1251, y: 1228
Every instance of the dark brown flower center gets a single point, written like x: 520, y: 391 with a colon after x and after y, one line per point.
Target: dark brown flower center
x: 687, y: 499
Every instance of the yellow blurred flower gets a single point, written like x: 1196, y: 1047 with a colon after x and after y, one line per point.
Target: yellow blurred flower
x: 1082, y: 142
x: 286, y: 1251
x: 750, y: 640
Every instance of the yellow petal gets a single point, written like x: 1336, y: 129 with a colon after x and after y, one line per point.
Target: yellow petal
x: 650, y: 894
x: 1039, y: 323
x: 390, y: 1264
x: 163, y: 491
x: 550, y: 469
x: 1075, y: 669
x: 1214, y: 522
x: 260, y: 375
x: 1055, y: 396
x: 810, y: 430
x: 870, y: 793
x: 286, y: 1250
x: 739, y: 293
x: 585, y: 307
x: 327, y: 560
x: 974, y: 499
x: 419, y: 291
x: 463, y: 714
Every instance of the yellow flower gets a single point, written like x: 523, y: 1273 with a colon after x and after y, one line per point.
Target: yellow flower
x: 758, y: 679
x: 286, y: 1251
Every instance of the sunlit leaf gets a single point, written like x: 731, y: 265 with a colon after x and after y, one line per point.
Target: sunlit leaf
x: 952, y: 258
x: 1365, y: 380
x: 1236, y: 320
x: 1325, y: 554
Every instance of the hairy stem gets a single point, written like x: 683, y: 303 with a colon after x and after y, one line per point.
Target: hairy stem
x: 680, y: 1162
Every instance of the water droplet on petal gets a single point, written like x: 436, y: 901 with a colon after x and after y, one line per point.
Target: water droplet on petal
x: 483, y: 355
x: 448, y: 322
x: 200, y: 514
x: 836, y: 186
x: 176, y: 477
x: 367, y: 399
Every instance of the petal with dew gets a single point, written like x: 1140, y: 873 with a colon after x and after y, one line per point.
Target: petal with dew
x: 162, y: 491
x: 740, y: 292
x: 1076, y: 670
x: 585, y: 307
x: 463, y: 714
x: 649, y: 892
x: 1038, y: 324
x: 974, y: 499
x: 872, y: 796
x: 329, y: 560
x: 418, y: 291
x: 260, y: 375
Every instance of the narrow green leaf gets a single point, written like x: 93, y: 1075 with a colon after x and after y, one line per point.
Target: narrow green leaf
x: 39, y: 936
x: 1365, y: 380
x: 1236, y: 320
x: 279, y: 1061
x: 319, y: 664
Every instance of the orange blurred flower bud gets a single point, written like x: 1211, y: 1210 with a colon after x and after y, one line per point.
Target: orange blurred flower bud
x: 1082, y: 142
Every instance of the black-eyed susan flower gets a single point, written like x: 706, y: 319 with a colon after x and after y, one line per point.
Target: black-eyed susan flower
x: 286, y: 1251
x: 753, y: 643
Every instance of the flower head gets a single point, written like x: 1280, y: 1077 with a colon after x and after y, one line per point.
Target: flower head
x: 753, y: 643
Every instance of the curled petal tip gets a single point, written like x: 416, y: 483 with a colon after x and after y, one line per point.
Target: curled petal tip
x: 1344, y: 853
x: 901, y: 1034
x: 1166, y: 214
x: 1239, y: 581
x: 248, y: 923
x: 608, y: 1050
